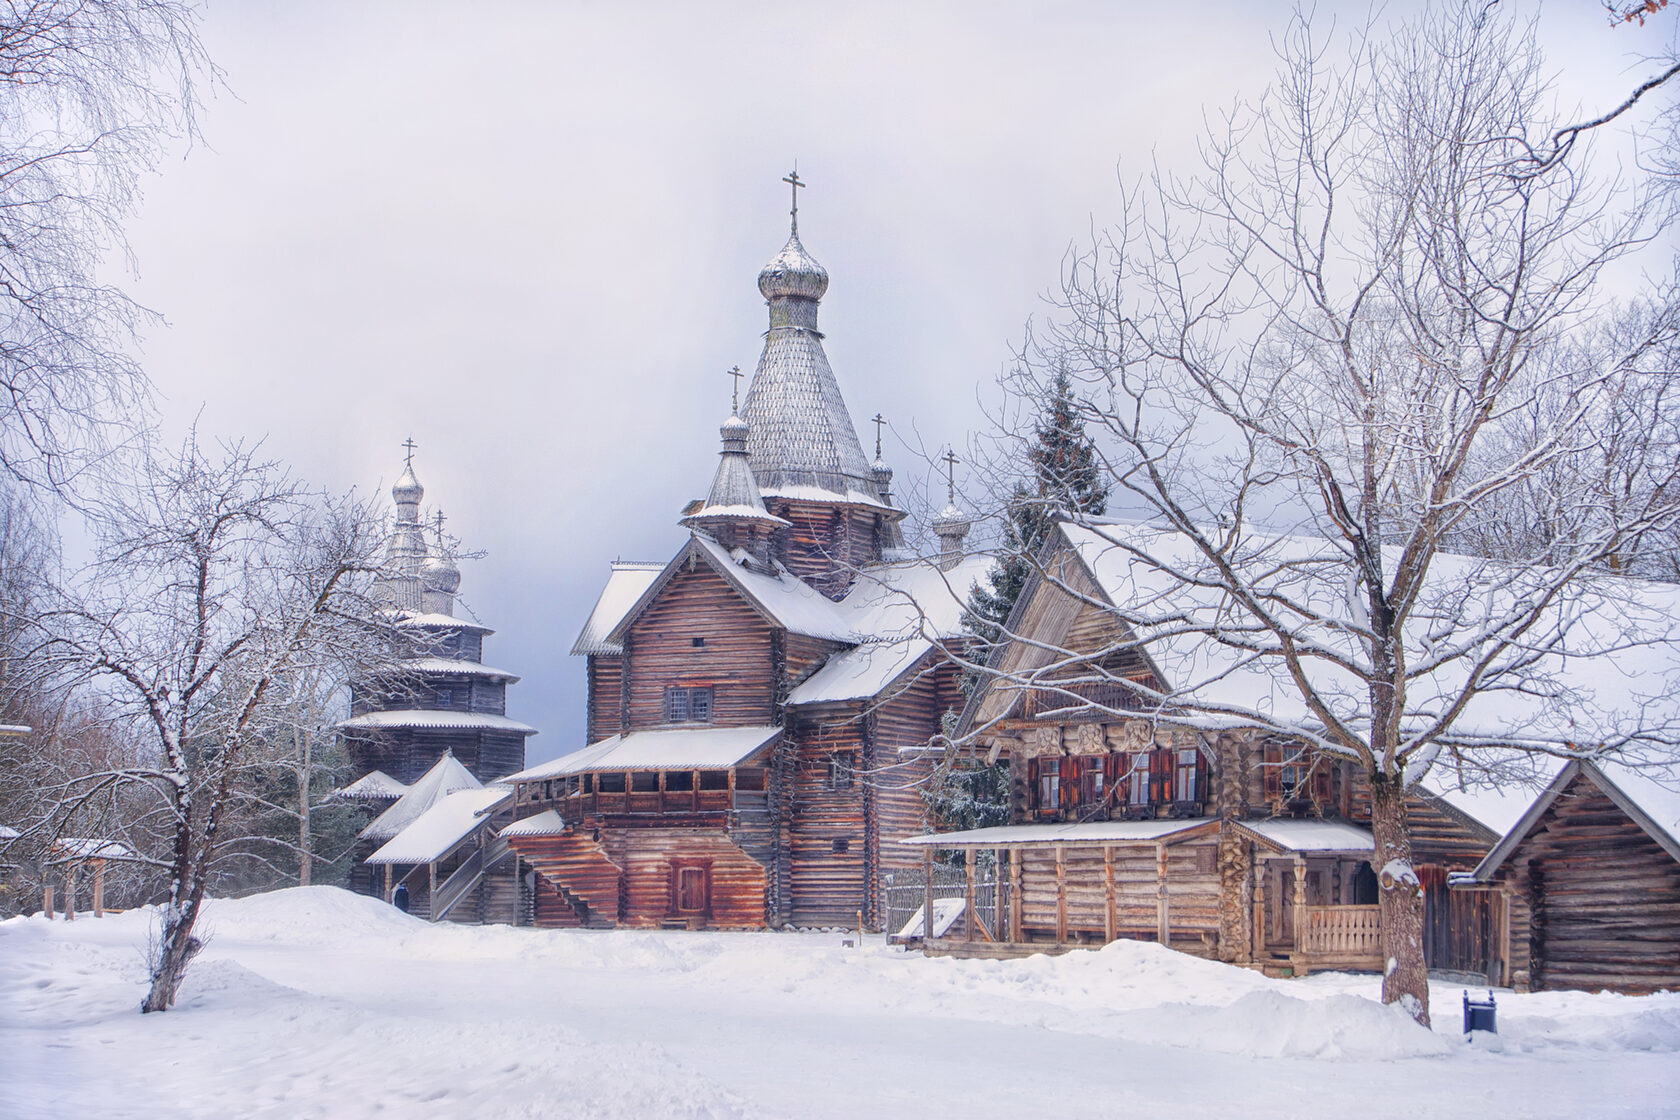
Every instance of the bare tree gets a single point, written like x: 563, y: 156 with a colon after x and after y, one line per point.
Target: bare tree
x: 92, y: 92
x: 1315, y: 362
x: 216, y: 576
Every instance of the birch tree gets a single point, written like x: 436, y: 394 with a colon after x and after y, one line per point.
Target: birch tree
x: 216, y: 575
x: 1316, y: 360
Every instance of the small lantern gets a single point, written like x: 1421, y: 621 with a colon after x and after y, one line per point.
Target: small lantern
x: 1479, y: 1014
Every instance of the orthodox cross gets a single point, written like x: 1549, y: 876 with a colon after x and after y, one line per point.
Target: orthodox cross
x: 950, y: 460
x: 411, y: 445
x: 878, y: 420
x: 735, y: 393
x: 793, y: 180
x: 440, y: 528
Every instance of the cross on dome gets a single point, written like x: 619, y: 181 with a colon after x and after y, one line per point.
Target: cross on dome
x: 793, y: 180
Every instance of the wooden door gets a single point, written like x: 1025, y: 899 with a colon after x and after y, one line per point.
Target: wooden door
x: 693, y: 891
x: 1457, y: 925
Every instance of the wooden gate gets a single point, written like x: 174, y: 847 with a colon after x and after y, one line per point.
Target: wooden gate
x: 1457, y: 926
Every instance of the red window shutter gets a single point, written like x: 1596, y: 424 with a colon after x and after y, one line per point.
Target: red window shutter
x: 1160, y: 776
x: 1322, y: 782
x: 1070, y: 783
x: 1272, y: 769
x: 1204, y: 780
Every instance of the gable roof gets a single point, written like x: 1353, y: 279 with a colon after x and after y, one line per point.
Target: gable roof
x: 446, y: 776
x: 625, y: 585
x: 1650, y: 798
x: 436, y: 832
x: 861, y: 673
x: 374, y: 786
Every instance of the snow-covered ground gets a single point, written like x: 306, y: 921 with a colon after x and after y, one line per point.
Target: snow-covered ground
x: 318, y: 1003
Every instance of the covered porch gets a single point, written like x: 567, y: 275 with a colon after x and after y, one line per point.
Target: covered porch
x: 1049, y: 888
x: 1313, y: 904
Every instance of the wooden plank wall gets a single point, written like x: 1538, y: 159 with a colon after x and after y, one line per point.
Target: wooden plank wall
x: 828, y: 886
x: 1598, y: 901
x: 699, y: 603
x: 1081, y: 881
x: 907, y: 720
x: 605, y: 701
x: 407, y: 753
x: 826, y: 544
x: 737, y: 881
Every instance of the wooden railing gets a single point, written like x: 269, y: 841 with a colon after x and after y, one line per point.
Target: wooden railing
x: 1341, y: 931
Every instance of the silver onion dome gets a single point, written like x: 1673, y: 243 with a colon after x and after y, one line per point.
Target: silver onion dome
x: 440, y: 573
x: 793, y: 272
x: 407, y: 490
x: 734, y: 431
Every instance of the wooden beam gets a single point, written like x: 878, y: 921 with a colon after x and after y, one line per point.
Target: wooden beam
x: 927, y: 893
x: 968, y: 893
x: 69, y: 892
x: 1110, y: 918
x: 47, y: 900
x: 1015, y: 894
x: 431, y: 892
x: 388, y: 882
x: 1300, y: 909
x: 99, y: 888
x: 1163, y: 923
x: 1257, y: 935
x: 1061, y: 893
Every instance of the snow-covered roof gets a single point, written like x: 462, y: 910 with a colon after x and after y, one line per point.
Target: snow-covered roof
x: 1082, y: 832
x: 428, y: 718
x: 700, y: 748
x: 447, y: 666
x: 67, y: 848
x: 1311, y: 836
x: 377, y: 786
x: 1602, y: 663
x: 1650, y: 796
x: 545, y: 823
x: 435, y: 833
x: 860, y: 673
x: 625, y: 586
x: 914, y: 598
x: 787, y: 600
x: 8, y: 833
x: 432, y: 621
x: 800, y: 492
x: 445, y: 777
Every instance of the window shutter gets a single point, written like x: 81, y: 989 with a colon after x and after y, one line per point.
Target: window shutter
x: 1160, y: 776
x: 1272, y: 769
x: 1204, y: 780
x: 1323, y: 782
x: 1070, y: 783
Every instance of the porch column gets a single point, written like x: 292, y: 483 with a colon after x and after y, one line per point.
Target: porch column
x: 1061, y: 894
x: 1110, y: 920
x: 69, y: 892
x: 1300, y: 909
x: 99, y: 888
x: 1259, y: 937
x: 1015, y: 894
x: 431, y: 893
x: 387, y: 882
x: 969, y: 855
x: 927, y: 893
x: 1163, y: 922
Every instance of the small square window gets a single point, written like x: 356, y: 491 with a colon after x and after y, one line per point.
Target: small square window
x: 443, y: 697
x: 842, y: 844
x: 840, y: 770
x: 697, y: 643
x: 688, y: 705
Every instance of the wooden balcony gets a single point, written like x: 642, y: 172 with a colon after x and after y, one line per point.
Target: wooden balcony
x: 1337, y: 937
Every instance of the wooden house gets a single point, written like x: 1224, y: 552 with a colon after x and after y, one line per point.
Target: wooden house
x: 1589, y: 883
x: 1226, y: 844
x: 760, y: 706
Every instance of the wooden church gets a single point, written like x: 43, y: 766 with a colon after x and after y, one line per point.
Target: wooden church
x: 760, y: 706
x: 426, y: 729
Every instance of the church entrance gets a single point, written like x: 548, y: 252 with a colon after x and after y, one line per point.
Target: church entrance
x: 691, y: 890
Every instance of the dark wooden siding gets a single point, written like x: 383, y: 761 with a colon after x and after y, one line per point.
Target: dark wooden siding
x: 1597, y: 901
x: 734, y: 660
x: 826, y: 544
x: 828, y: 884
x: 604, y: 698
x: 407, y: 753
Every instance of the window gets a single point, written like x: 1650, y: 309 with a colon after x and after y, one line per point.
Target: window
x: 679, y: 781
x: 841, y: 844
x: 688, y: 705
x: 714, y: 779
x: 1189, y: 778
x: 697, y: 643
x: 1137, y: 779
x: 1091, y: 785
x: 1049, y: 783
x: 747, y: 778
x: 644, y: 781
x: 840, y: 770
x: 443, y: 698
x: 610, y: 783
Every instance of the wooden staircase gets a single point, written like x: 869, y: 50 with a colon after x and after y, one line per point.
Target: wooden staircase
x: 580, y: 873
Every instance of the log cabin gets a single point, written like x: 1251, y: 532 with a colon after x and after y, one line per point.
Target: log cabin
x: 760, y: 706
x: 1222, y: 841
x: 1588, y: 883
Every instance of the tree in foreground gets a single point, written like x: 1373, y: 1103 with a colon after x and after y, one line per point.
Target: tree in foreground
x: 217, y: 582
x: 1317, y: 361
x: 92, y: 93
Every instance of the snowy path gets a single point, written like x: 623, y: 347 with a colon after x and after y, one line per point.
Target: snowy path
x: 316, y: 1003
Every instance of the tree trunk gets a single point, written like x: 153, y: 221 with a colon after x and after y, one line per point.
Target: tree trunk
x: 1400, y: 899
x: 177, y: 948
x: 305, y: 763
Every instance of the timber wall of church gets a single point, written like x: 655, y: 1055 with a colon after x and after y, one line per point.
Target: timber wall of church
x: 605, y: 697
x: 734, y: 661
x: 826, y: 544
x: 826, y: 835
x: 407, y: 753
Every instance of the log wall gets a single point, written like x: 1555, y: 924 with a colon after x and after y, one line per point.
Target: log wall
x: 734, y: 659
x: 826, y: 544
x: 1596, y: 901
x: 605, y: 701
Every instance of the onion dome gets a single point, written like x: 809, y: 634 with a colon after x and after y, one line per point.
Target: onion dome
x: 407, y: 490
x: 793, y: 272
x: 734, y: 497
x: 440, y: 573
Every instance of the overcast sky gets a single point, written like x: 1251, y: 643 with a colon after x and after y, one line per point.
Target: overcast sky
x: 528, y: 235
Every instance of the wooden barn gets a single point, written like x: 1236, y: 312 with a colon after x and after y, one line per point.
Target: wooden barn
x: 760, y: 706
x: 1589, y: 881
x: 1229, y: 845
